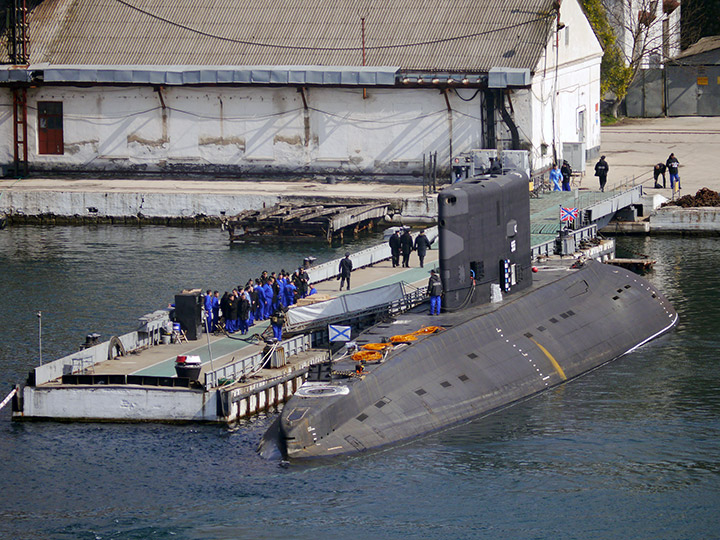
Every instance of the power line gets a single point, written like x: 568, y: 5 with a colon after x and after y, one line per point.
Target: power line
x: 306, y: 48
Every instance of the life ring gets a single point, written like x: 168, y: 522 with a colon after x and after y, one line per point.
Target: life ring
x: 376, y: 346
x: 366, y: 356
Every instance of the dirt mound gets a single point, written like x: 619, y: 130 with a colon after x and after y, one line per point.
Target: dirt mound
x: 704, y: 197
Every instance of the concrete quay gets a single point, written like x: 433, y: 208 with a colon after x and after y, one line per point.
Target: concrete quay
x: 190, y: 201
x: 632, y: 147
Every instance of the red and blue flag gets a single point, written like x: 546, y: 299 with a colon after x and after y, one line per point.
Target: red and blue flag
x: 568, y: 214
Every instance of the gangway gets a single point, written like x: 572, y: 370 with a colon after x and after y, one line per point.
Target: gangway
x: 364, y: 307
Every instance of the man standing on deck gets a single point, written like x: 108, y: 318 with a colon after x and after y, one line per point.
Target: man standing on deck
x: 434, y: 290
x: 345, y: 268
x: 555, y: 178
x: 395, y: 247
x: 277, y: 321
x: 601, y: 171
x: 207, y: 304
x: 566, y: 172
x: 215, y: 310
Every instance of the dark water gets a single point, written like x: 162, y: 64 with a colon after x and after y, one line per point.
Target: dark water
x: 631, y: 450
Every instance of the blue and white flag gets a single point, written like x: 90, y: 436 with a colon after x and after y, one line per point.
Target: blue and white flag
x: 339, y: 333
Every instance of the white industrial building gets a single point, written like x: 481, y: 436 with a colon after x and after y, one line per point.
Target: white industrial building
x: 355, y: 88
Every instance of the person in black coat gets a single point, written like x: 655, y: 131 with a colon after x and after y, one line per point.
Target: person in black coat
x: 566, y: 172
x: 395, y: 248
x: 422, y: 244
x: 406, y: 247
x: 345, y: 268
x: 658, y: 171
x: 601, y: 171
x: 231, y: 323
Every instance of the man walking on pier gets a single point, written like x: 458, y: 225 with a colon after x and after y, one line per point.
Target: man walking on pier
x: 406, y: 246
x: 395, y: 247
x: 345, y: 268
x: 601, y: 171
x: 422, y: 244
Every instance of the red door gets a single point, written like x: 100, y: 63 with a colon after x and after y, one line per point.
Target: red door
x: 50, y: 127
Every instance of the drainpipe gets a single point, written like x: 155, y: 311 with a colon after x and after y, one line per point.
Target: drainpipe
x: 450, y: 121
x: 306, y: 116
x: 490, y: 141
x: 509, y: 122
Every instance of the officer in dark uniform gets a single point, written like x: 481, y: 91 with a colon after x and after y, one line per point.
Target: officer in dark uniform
x: 422, y: 244
x: 406, y: 247
x: 395, y: 248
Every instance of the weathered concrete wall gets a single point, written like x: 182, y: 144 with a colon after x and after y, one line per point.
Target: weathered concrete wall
x: 677, y: 220
x: 249, y: 130
x: 120, y: 403
x: 149, y: 205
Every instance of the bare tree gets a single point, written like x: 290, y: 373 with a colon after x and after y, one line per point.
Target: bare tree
x: 647, y: 33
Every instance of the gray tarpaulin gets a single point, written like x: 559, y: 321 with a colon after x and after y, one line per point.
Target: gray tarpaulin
x: 349, y: 303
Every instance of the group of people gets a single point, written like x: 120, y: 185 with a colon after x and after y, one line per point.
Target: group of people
x: 267, y: 297
x: 560, y: 177
x: 672, y: 166
x: 403, y: 244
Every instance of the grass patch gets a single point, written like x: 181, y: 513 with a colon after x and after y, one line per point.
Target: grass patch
x: 608, y: 120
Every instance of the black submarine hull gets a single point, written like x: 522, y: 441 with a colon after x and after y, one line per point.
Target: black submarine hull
x: 505, y: 334
x: 479, y: 363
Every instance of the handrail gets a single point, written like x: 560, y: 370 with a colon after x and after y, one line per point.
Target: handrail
x: 406, y: 302
x: 249, y: 364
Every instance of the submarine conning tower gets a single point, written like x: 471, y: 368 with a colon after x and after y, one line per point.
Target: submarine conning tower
x: 484, y: 231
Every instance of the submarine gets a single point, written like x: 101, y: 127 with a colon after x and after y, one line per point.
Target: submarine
x: 508, y: 330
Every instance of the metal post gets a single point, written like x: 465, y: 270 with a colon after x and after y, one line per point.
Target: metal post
x: 424, y: 178
x: 39, y: 316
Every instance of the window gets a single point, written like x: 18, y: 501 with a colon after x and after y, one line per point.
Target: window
x: 50, y: 127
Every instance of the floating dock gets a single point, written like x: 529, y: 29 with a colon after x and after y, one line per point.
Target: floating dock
x: 301, y: 222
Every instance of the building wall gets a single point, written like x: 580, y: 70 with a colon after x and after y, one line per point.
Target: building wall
x: 246, y: 130
x: 563, y: 104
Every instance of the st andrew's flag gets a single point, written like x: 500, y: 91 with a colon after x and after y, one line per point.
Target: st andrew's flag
x: 568, y: 214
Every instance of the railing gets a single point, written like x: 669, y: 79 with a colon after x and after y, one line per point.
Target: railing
x: 366, y: 257
x: 407, y: 301
x: 236, y: 370
x: 550, y: 247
